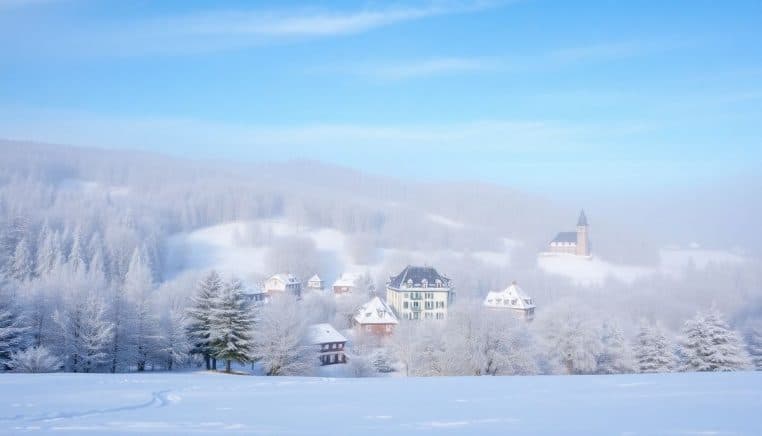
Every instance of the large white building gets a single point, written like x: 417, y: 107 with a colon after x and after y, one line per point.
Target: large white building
x: 420, y: 292
x: 512, y: 298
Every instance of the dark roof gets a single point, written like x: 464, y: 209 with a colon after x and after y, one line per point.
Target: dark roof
x: 566, y: 237
x: 417, y: 274
x: 582, y: 221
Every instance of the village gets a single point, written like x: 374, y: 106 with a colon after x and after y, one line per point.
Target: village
x: 416, y: 293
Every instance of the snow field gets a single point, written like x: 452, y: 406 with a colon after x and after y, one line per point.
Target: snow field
x: 210, y: 403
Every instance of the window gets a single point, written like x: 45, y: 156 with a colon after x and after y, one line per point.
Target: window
x: 405, y: 305
x: 440, y: 315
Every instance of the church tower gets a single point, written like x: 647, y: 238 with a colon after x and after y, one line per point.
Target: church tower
x: 583, y: 235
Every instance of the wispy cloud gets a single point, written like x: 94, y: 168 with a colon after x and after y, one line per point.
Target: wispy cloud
x: 215, y: 29
x: 409, y: 69
x: 554, y: 59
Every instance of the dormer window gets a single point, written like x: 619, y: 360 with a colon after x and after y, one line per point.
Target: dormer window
x: 425, y: 283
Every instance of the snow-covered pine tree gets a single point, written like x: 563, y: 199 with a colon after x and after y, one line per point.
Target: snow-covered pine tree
x: 76, y: 254
x: 708, y: 344
x: 753, y: 338
x: 12, y: 330
x: 615, y: 355
x: 652, y: 350
x: 175, y: 343
x: 85, y: 332
x: 199, y: 327
x: 231, y: 323
x: 22, y: 265
x: 143, y: 326
x: 46, y: 251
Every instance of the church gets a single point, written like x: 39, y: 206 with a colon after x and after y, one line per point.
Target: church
x: 576, y: 243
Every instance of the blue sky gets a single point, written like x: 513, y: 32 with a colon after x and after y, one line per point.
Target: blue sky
x: 539, y: 95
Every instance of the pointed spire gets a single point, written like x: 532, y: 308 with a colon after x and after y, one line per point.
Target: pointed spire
x: 582, y: 221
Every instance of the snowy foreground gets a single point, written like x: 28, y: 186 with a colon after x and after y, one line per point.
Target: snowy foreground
x: 700, y: 403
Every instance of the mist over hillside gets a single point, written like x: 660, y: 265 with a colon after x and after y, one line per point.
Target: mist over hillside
x: 308, y: 216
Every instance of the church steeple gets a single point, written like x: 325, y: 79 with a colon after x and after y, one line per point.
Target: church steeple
x: 583, y: 236
x: 582, y: 221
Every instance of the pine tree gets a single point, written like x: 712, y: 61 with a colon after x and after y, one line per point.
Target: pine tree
x: 85, y: 333
x: 652, y: 350
x: 12, y: 330
x: 22, y: 266
x: 175, y: 343
x: 46, y: 252
x: 142, y: 324
x: 76, y: 255
x: 754, y: 344
x: 231, y: 323
x: 710, y: 345
x: 199, y: 326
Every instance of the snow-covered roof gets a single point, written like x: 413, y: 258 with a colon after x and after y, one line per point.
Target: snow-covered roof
x: 285, y: 278
x: 512, y: 297
x: 346, y: 279
x: 417, y: 276
x: 323, y: 334
x: 315, y: 278
x: 375, y: 311
x: 565, y: 237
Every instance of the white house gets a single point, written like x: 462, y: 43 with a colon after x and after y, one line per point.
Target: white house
x: 420, y: 292
x: 330, y: 343
x: 512, y: 298
x: 346, y: 284
x: 375, y: 317
x: 315, y: 283
x: 283, y: 283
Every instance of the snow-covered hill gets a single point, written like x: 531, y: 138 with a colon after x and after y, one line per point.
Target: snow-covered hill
x: 669, y: 404
x: 241, y: 248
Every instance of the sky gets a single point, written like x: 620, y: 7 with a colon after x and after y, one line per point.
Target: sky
x: 549, y: 96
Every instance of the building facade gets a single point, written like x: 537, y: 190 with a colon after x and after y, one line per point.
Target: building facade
x: 576, y: 243
x: 420, y: 292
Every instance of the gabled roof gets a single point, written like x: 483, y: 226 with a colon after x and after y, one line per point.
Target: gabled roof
x: 347, y: 279
x: 582, y: 221
x: 568, y: 237
x: 415, y: 275
x: 375, y: 311
x: 512, y: 297
x: 285, y: 278
x: 315, y: 278
x: 323, y: 333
